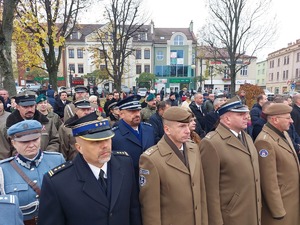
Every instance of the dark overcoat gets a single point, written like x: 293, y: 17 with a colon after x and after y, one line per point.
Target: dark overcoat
x: 84, y: 202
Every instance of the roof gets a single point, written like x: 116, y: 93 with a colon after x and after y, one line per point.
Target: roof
x: 167, y: 33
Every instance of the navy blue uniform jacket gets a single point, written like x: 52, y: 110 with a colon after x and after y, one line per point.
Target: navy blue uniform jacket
x: 71, y: 195
x: 125, y: 140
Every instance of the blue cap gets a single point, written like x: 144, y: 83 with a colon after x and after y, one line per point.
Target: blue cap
x: 25, y: 130
x: 91, y: 127
x: 130, y: 103
x: 80, y: 88
x: 82, y: 104
x: 233, y: 105
x: 25, y: 98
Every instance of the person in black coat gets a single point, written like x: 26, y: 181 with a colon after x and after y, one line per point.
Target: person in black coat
x: 102, y: 187
x: 198, y: 109
x: 257, y: 108
x: 296, y: 112
x: 60, y: 104
x: 212, y: 118
x: 156, y: 119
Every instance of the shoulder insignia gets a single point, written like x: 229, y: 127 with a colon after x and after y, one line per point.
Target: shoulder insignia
x: 210, y: 135
x: 6, y: 160
x: 150, y: 151
x: 9, y: 199
x: 120, y: 153
x: 114, y: 128
x: 60, y: 168
x: 148, y: 124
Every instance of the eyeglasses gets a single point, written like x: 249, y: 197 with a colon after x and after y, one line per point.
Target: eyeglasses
x: 287, y: 118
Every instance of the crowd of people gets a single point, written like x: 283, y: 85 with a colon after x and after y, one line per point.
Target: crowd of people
x: 198, y: 160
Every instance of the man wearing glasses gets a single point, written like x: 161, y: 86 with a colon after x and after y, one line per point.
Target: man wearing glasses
x: 279, y: 168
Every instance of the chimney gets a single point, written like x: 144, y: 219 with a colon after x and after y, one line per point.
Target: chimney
x: 191, y: 26
x: 152, y: 27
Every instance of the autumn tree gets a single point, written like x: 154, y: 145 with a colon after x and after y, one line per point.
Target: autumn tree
x: 41, y: 30
x: 6, y: 29
x: 124, y: 22
x: 148, y: 78
x: 235, y: 28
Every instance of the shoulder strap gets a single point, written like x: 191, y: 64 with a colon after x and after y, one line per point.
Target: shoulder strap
x: 23, y: 175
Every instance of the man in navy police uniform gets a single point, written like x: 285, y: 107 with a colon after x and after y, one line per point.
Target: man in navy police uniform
x: 102, y: 183
x: 132, y: 135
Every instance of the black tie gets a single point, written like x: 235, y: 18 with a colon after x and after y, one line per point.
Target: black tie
x: 102, y: 181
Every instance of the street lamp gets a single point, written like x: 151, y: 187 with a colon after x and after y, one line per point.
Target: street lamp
x: 200, y: 75
x: 194, y: 74
x: 71, y: 79
x: 211, y: 73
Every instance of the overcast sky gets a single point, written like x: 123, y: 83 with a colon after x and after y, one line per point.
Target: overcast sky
x: 179, y: 13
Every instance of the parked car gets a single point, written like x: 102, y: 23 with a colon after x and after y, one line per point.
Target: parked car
x: 142, y: 92
x: 63, y: 88
x: 270, y: 95
x: 20, y: 89
x: 290, y: 93
x: 125, y: 89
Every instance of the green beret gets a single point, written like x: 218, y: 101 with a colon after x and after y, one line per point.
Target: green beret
x: 278, y: 109
x: 41, y: 98
x: 178, y: 114
x: 150, y: 97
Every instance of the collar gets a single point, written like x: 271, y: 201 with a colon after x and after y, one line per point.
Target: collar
x: 29, y: 163
x: 96, y: 170
x: 235, y: 133
x: 275, y: 130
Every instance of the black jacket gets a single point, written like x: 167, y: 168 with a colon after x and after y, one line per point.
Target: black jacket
x: 296, y: 118
x: 157, y: 124
x: 199, y: 115
x: 255, y: 113
x: 85, y: 202
x: 59, y: 107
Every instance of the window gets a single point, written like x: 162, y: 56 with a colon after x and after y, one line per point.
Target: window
x: 272, y: 64
x: 71, y: 53
x: 80, y: 53
x: 147, y: 68
x: 262, y: 81
x: 286, y: 74
x: 146, y: 54
x: 159, y: 55
x: 138, y: 69
x: 80, y: 68
x: 102, y: 54
x: 72, y: 67
x: 178, y: 40
x: 297, y: 72
x: 298, y: 56
x: 277, y: 76
x: 286, y: 60
x: 278, y: 62
x: 74, y: 35
x: 244, y: 71
x: 138, y: 54
x: 271, y: 76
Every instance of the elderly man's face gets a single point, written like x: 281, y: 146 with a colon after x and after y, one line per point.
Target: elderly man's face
x: 28, y: 149
x: 26, y: 112
x: 94, y: 152
x: 81, y: 112
x: 199, y: 99
x: 4, y: 94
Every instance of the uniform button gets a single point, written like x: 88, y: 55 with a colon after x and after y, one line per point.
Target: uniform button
x: 196, y: 207
x: 15, y: 189
x: 110, y: 214
x: 32, y: 169
x: 35, y: 181
x: 37, y: 196
x: 256, y: 180
x: 193, y: 184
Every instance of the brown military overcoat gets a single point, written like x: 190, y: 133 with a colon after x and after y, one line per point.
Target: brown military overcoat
x: 170, y: 193
x: 232, y: 180
x: 279, y: 169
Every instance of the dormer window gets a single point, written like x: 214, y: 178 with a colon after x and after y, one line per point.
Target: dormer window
x: 74, y: 35
x: 178, y: 40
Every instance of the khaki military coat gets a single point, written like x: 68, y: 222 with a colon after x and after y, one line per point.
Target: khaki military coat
x: 170, y: 192
x: 67, y: 143
x: 232, y: 180
x: 279, y: 169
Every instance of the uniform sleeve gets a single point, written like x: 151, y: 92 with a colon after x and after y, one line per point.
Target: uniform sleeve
x: 49, y: 201
x: 269, y: 182
x: 64, y: 140
x: 53, y: 144
x: 149, y: 192
x: 6, y: 148
x: 211, y: 171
